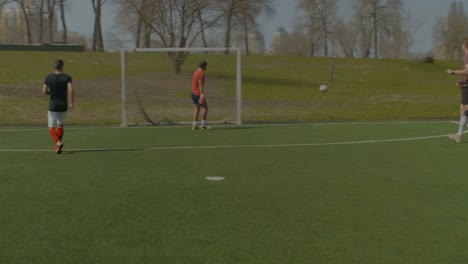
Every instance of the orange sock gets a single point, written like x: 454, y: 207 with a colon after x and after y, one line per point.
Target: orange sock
x: 60, y: 132
x: 54, y: 135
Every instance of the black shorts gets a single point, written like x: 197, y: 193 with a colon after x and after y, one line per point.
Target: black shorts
x: 195, y: 99
x: 464, y: 95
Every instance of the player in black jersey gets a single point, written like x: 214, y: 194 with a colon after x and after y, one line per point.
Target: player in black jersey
x: 59, y: 87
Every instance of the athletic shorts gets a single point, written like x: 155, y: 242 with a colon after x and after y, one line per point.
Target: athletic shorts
x: 464, y: 95
x: 196, y: 99
x: 56, y: 118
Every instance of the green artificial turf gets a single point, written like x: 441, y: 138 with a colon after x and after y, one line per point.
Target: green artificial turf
x: 140, y: 195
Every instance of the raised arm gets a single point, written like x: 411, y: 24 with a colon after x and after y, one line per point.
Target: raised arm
x: 458, y: 72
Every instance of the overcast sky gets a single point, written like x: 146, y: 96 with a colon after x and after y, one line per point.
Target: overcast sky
x: 80, y: 18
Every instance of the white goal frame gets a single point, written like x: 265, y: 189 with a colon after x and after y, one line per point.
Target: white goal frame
x: 123, y: 54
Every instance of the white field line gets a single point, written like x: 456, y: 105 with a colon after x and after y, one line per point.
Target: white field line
x: 235, y: 146
x: 224, y: 126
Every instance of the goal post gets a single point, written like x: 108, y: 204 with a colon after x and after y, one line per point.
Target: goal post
x: 131, y: 62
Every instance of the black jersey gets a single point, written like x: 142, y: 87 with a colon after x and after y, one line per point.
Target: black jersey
x: 58, y: 86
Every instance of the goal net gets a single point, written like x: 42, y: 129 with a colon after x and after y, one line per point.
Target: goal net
x: 157, y: 83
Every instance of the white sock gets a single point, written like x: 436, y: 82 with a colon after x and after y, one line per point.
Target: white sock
x: 463, y: 121
x: 194, y: 123
x: 203, y: 122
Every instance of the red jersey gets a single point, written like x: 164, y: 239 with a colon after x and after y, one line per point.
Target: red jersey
x: 198, y: 76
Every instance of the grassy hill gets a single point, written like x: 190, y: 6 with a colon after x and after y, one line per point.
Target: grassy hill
x: 275, y: 89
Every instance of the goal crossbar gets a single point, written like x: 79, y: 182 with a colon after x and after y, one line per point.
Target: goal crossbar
x: 238, y: 118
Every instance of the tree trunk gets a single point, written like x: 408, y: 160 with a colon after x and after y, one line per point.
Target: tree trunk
x: 64, y: 22
x: 101, y: 39
x: 51, y: 9
x: 202, y: 23
x: 139, y: 26
x: 41, y: 21
x: 325, y: 40
x: 98, y: 42
x: 147, y: 36
x: 95, y: 27
x: 178, y: 65
x: 325, y: 35
x: 312, y: 45
x: 246, y: 37
x: 227, y: 39
x: 138, y: 33
x: 376, y: 32
x: 26, y: 21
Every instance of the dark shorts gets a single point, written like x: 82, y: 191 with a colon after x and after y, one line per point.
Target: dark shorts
x: 195, y: 99
x: 464, y: 95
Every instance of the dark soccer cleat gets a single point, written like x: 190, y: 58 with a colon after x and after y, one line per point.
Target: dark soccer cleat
x: 194, y: 128
x: 204, y: 128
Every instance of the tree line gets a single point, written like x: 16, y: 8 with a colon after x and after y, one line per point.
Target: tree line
x: 47, y: 13
x: 376, y: 28
x: 449, y: 32
x: 356, y: 28
x: 351, y: 28
x: 47, y: 10
x: 180, y: 23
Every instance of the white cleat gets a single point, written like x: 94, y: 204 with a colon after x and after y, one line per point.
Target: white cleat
x: 456, y: 138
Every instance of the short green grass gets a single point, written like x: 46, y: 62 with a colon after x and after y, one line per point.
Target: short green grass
x: 275, y: 89
x: 387, y: 202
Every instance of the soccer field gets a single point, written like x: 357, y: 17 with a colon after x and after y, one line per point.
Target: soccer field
x: 324, y: 193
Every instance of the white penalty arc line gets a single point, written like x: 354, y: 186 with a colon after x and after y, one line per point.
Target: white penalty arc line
x: 234, y: 146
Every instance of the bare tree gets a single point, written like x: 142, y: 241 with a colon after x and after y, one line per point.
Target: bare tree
x: 137, y: 18
x: 230, y: 9
x: 64, y: 22
x: 202, y: 22
x: 456, y: 29
x: 130, y: 20
x: 247, y: 13
x: 309, y: 32
x: 2, y: 5
x: 449, y: 31
x: 51, y: 5
x: 41, y: 20
x: 320, y: 16
x: 346, y: 35
x: 98, y: 41
x: 440, y: 36
x: 243, y: 13
x: 396, y: 37
x: 379, y: 20
x: 25, y: 10
x: 176, y: 23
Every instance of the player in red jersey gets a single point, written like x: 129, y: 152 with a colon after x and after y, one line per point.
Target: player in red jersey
x: 198, y: 96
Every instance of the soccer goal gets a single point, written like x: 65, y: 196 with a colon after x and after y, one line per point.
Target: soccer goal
x: 156, y: 85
